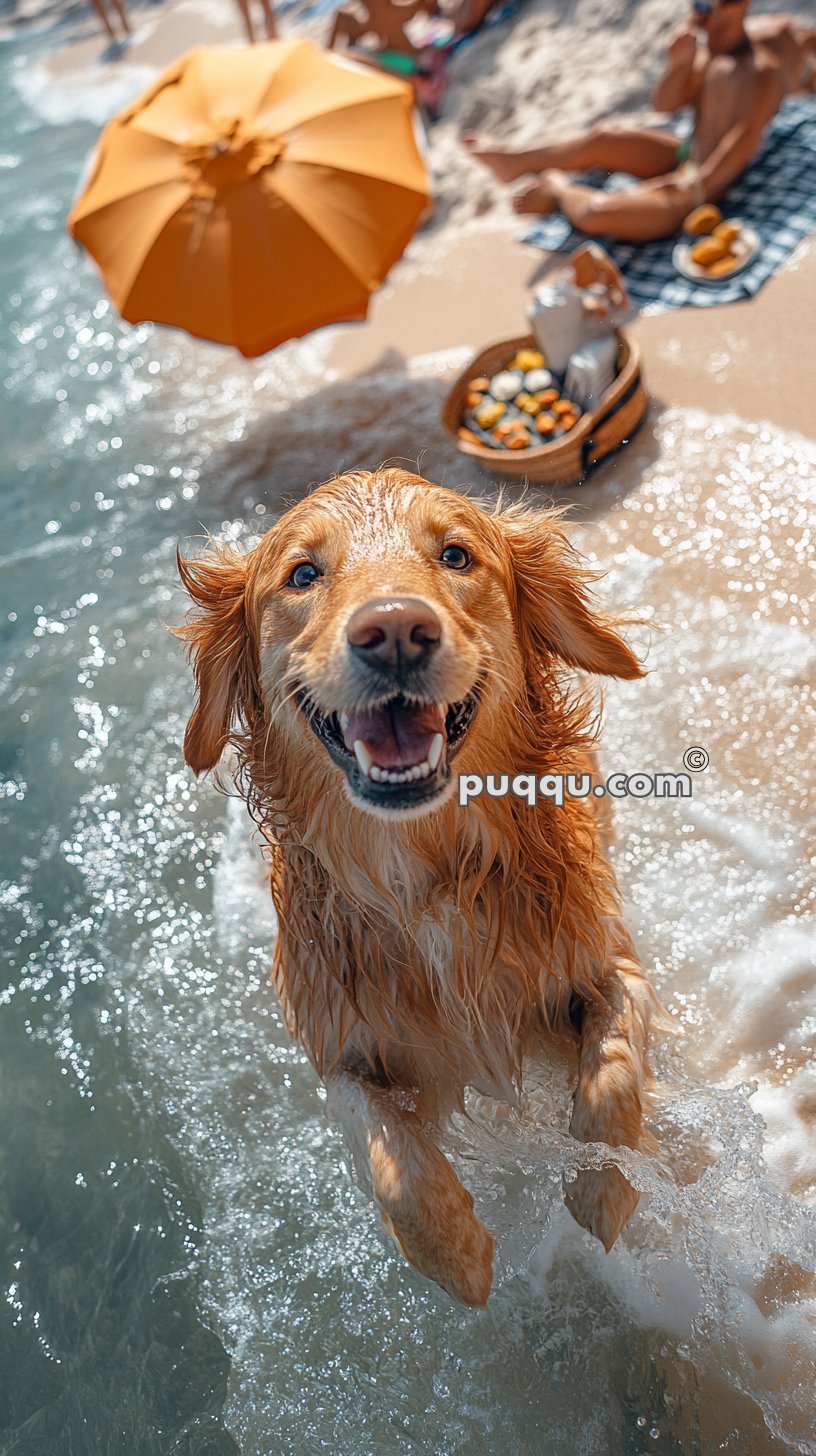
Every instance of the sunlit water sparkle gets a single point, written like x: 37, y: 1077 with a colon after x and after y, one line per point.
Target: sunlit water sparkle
x: 187, y: 1264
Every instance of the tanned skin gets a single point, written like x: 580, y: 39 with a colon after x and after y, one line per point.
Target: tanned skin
x: 733, y: 73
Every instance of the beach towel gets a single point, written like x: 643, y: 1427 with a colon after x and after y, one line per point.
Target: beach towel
x: 776, y: 195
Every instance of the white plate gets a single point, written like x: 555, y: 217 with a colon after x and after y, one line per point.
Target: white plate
x: 746, y: 247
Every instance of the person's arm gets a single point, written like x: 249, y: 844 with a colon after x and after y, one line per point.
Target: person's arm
x: 738, y: 147
x: 409, y: 8
x: 807, y: 47
x: 681, y: 77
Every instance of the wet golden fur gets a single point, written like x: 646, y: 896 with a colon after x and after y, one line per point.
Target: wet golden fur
x: 419, y: 955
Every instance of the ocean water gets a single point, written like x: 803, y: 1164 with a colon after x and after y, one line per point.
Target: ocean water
x: 187, y: 1265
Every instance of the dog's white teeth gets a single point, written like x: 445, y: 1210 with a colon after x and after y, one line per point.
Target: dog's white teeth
x: 343, y: 721
x: 401, y: 776
x: 435, y: 751
x: 363, y: 757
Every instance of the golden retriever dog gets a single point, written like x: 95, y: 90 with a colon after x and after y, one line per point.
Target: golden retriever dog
x: 385, y: 636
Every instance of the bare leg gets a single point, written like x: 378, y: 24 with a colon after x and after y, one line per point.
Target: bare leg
x: 99, y: 7
x: 269, y: 20
x: 243, y: 6
x: 638, y: 215
x: 122, y: 13
x: 608, y: 1106
x: 423, y: 1204
x: 642, y: 151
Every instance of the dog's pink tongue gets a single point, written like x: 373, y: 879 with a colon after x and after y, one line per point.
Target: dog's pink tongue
x: 396, y: 736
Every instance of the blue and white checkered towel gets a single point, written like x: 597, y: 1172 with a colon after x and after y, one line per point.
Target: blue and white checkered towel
x: 776, y: 195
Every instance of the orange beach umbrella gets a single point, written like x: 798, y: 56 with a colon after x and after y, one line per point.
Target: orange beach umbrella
x: 250, y: 196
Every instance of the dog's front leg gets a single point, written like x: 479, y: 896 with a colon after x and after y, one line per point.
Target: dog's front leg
x: 422, y: 1202
x: 608, y: 1104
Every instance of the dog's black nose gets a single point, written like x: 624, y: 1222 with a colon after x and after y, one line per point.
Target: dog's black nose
x: 394, y: 632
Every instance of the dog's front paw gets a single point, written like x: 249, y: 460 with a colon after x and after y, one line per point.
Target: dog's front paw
x: 602, y: 1201
x: 430, y: 1215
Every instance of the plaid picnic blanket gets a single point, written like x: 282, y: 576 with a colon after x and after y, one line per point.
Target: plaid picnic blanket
x: 776, y: 195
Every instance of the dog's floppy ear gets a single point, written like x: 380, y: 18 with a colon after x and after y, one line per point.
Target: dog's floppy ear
x: 553, y: 605
x: 218, y: 641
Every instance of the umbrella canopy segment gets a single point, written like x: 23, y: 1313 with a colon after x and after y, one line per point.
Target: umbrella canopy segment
x: 250, y: 196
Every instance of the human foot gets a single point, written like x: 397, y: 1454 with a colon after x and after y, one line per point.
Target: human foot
x: 540, y: 195
x: 503, y: 163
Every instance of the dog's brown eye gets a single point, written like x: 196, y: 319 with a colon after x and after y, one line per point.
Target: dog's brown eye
x: 303, y: 575
x: 456, y: 557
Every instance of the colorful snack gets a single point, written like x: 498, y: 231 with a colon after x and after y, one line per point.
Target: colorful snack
x: 490, y: 414
x: 703, y: 220
x: 520, y: 440
x: 529, y: 403
x: 722, y: 267
x: 537, y: 379
x: 727, y: 232
x: 710, y: 250
x: 527, y: 359
x: 506, y: 384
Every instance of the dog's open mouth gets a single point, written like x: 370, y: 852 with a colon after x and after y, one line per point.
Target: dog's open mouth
x: 395, y: 755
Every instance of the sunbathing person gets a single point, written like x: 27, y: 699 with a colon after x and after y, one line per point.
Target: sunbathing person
x: 384, y: 21
x: 733, y: 74
x: 380, y: 22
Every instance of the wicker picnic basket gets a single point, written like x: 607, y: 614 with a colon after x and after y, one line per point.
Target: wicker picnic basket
x: 566, y: 461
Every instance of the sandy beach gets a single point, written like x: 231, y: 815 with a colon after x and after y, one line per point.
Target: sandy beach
x: 701, y: 1327
x: 545, y: 72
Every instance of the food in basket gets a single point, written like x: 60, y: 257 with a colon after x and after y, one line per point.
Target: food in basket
x: 519, y: 407
x: 537, y: 379
x: 703, y: 220
x: 507, y: 384
x: 490, y: 413
x: 527, y: 359
x: 529, y: 403
x: 521, y: 440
